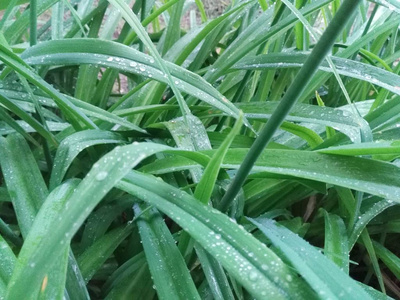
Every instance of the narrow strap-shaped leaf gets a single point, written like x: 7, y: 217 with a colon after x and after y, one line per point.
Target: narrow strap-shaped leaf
x: 47, y: 247
x: 215, y: 275
x: 9, y: 8
x: 257, y: 33
x: 73, y: 145
x: 13, y: 124
x: 24, y: 181
x: 291, y: 96
x: 347, y: 67
x: 366, y: 240
x: 42, y: 278
x: 7, y: 264
x: 134, y: 22
x: 327, y: 280
x: 207, y: 182
x: 365, y: 218
x: 95, y: 256
x: 167, y: 266
x: 249, y: 261
x: 100, y: 220
x: 172, y: 32
x: 378, y: 147
x: 352, y: 172
x: 132, y: 278
x: 195, y: 139
x: 75, y: 284
x: 391, y: 260
x: 15, y: 30
x: 20, y: 66
x: 124, y: 58
x: 10, y: 105
x: 336, y: 245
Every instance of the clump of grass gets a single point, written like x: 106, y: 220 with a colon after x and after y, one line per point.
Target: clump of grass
x: 253, y: 155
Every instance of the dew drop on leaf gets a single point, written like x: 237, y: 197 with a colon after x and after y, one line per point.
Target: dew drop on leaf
x: 101, y: 176
x: 253, y: 276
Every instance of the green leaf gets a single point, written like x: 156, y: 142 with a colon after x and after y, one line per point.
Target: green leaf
x: 366, y: 240
x: 13, y: 124
x: 352, y: 172
x: 10, y: 105
x: 124, y: 58
x: 378, y: 147
x: 363, y: 220
x: 24, y: 181
x: 168, y: 269
x: 206, y: 185
x: 346, y: 67
x: 47, y: 247
x: 7, y: 265
x: 17, y: 28
x: 96, y: 255
x: 73, y: 145
x: 215, y: 275
x: 327, y: 280
x: 249, y: 261
x: 336, y: 246
x: 22, y: 68
x: 42, y: 281
x: 389, y: 258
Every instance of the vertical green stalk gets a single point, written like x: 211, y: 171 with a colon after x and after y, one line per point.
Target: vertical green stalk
x: 263, y: 4
x: 33, y: 22
x: 299, y: 28
x: 289, y: 99
x: 200, y: 6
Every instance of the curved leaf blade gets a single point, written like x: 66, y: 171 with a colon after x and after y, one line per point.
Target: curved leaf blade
x: 327, y: 280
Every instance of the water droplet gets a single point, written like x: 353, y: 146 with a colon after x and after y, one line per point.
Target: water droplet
x: 101, y: 176
x: 253, y: 276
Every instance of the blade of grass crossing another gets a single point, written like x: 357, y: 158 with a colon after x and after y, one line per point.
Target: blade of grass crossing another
x: 391, y: 260
x: 207, y: 182
x: 14, y: 108
x: 134, y: 22
x: 366, y: 239
x: 71, y: 146
x: 14, y: 125
x: 71, y: 112
x: 351, y: 172
x: 50, y: 245
x: 215, y: 275
x: 364, y: 128
x: 291, y: 96
x: 96, y: 255
x: 167, y: 266
x: 126, y: 59
x: 249, y: 261
x: 327, y: 280
x: 24, y: 181
x: 39, y: 284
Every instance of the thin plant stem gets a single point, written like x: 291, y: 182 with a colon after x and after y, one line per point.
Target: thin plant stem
x: 294, y: 92
x: 33, y: 22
